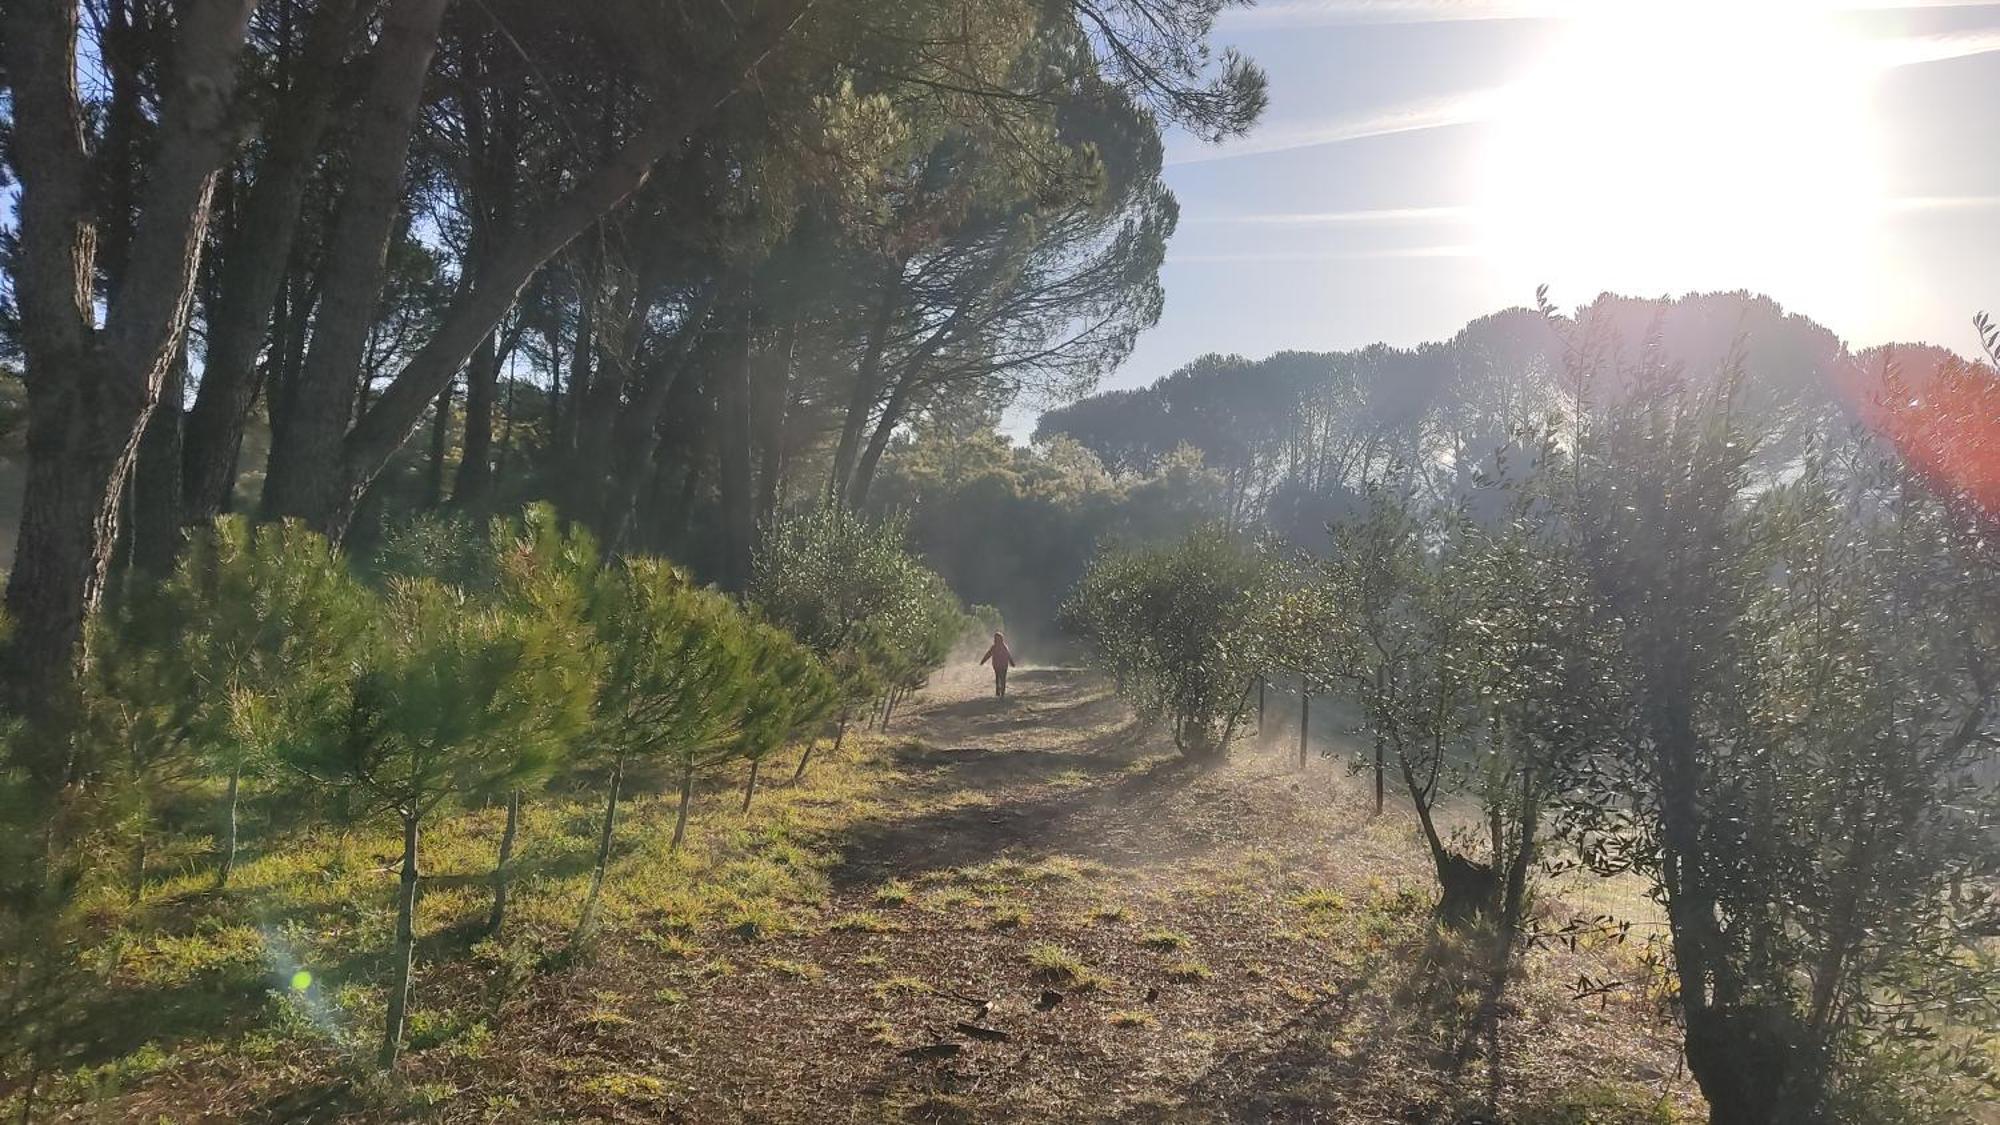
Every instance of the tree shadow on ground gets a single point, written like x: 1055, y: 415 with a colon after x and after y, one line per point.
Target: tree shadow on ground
x: 1056, y: 711
x: 324, y: 1101
x: 1066, y: 821
x: 1398, y: 1044
x: 979, y: 767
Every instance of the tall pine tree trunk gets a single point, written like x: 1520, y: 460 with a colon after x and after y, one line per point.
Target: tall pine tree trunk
x: 893, y: 412
x: 867, y: 381
x: 440, y: 444
x: 255, y: 258
x: 750, y: 787
x: 405, y: 952
x: 739, y: 517
x: 772, y: 416
x: 635, y: 445
x: 475, y: 460
x: 89, y: 389
x: 307, y: 477
x: 155, y: 501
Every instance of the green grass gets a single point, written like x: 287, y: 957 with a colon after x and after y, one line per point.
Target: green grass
x: 291, y: 961
x: 1107, y: 912
x: 1320, y: 901
x: 1009, y: 916
x: 1601, y: 1103
x: 1054, y: 965
x: 1167, y: 941
x: 864, y: 922
x: 948, y: 899
x: 620, y: 1086
x: 797, y: 970
x: 902, y: 986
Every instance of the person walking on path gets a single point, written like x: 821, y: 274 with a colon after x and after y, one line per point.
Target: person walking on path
x: 1002, y: 660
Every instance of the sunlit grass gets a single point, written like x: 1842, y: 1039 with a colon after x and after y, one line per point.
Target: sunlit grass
x: 293, y: 954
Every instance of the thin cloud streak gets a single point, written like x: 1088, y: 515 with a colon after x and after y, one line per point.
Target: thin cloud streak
x: 1466, y: 213
x: 1286, y: 14
x: 1415, y: 117
x: 1915, y: 50
x: 1327, y: 255
x: 1919, y: 204
x: 1332, y: 218
x: 1476, y: 106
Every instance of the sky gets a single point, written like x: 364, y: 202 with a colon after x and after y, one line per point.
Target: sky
x: 1425, y: 162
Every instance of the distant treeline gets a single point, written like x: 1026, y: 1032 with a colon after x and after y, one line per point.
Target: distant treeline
x: 1294, y: 435
x: 1286, y: 444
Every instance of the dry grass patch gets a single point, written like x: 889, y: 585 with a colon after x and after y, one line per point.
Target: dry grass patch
x: 1054, y: 965
x: 902, y: 986
x: 1009, y: 916
x: 864, y: 922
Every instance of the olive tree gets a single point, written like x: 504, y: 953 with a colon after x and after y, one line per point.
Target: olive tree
x: 1804, y: 685
x: 850, y: 591
x: 1175, y: 625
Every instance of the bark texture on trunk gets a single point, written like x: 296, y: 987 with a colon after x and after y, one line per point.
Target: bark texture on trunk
x: 739, y: 516
x: 255, y: 259
x: 90, y: 390
x: 156, y: 502
x: 304, y: 479
x: 475, y: 459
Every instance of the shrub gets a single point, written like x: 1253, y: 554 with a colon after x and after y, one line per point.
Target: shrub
x: 1175, y: 627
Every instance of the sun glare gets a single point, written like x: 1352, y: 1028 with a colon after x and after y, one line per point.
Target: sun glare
x: 1668, y: 146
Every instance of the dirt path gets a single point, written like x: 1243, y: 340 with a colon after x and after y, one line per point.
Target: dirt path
x: 1128, y: 938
